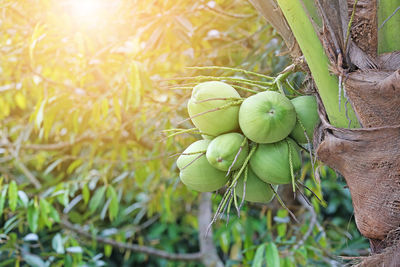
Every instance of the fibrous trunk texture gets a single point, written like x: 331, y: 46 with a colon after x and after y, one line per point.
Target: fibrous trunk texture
x: 369, y: 157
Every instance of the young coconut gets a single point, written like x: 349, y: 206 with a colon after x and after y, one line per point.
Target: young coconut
x: 267, y: 117
x: 270, y: 162
x: 195, y: 170
x: 256, y: 189
x: 223, y: 150
x: 307, y: 113
x: 209, y: 107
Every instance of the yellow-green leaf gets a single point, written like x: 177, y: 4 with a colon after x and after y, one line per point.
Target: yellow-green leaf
x: 272, y: 255
x: 33, y: 217
x: 117, y: 108
x: 20, y: 100
x: 3, y: 198
x: 85, y: 193
x: 113, y: 208
x: 96, y: 199
x: 13, y: 195
x: 107, y: 250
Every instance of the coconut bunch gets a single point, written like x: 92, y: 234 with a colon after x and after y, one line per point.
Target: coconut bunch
x: 249, y: 144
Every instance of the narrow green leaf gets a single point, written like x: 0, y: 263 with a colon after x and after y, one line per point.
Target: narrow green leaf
x: 44, y: 206
x: 104, y: 107
x: 13, y: 195
x: 117, y: 108
x: 52, y: 166
x: 388, y: 23
x: 103, y: 212
x: 33, y: 260
x: 259, y: 257
x: 33, y: 217
x: 134, y: 86
x: 68, y: 261
x: 75, y: 164
x: 224, y: 241
x: 57, y: 244
x: 3, y: 198
x: 23, y: 198
x: 85, y: 193
x: 272, y: 255
x: 107, y: 250
x: 44, y: 211
x: 10, y: 224
x: 113, y: 208
x: 40, y: 114
x: 76, y: 249
x: 97, y: 198
x: 54, y: 214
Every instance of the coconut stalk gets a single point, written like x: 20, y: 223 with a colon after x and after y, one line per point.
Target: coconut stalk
x: 318, y: 62
x: 389, y: 24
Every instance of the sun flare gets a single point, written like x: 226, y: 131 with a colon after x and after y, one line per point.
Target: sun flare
x: 86, y: 12
x: 86, y: 8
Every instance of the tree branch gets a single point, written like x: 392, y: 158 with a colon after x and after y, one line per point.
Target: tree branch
x: 312, y: 223
x: 133, y: 247
x: 61, y: 145
x: 207, y: 247
x: 28, y: 174
x: 228, y: 14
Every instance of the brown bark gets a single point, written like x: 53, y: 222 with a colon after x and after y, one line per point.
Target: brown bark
x: 368, y: 158
x: 210, y: 257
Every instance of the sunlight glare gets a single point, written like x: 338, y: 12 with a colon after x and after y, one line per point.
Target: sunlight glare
x: 87, y: 11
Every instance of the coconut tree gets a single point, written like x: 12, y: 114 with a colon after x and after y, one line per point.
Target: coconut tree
x: 352, y: 51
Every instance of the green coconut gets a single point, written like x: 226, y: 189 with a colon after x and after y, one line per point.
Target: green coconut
x: 223, y: 149
x: 195, y: 170
x: 220, y: 95
x: 256, y: 189
x: 207, y: 137
x: 267, y: 117
x: 270, y: 162
x: 307, y: 112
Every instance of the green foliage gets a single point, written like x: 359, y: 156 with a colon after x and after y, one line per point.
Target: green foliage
x: 83, y: 100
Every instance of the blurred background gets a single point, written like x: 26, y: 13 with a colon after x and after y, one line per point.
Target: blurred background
x: 86, y: 90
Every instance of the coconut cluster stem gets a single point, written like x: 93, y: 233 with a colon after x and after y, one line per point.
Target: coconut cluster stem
x: 291, y: 165
x: 234, y: 69
x: 237, y: 154
x: 246, y: 171
x: 196, y: 158
x: 317, y: 61
x: 218, y: 98
x: 308, y: 142
x: 227, y: 195
x: 233, y: 103
x: 283, y: 204
x: 181, y: 131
